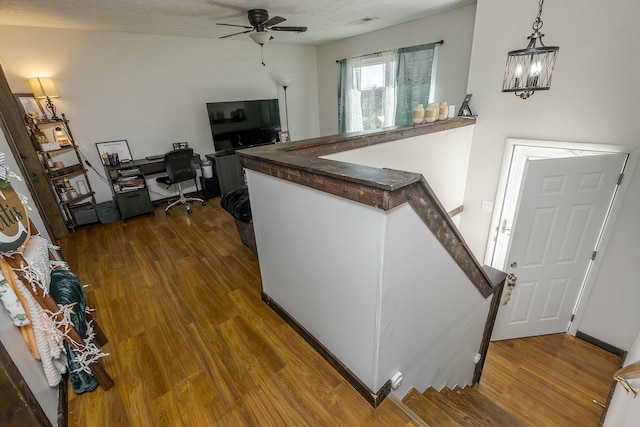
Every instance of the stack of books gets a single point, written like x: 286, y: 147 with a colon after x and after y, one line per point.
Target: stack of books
x: 130, y: 183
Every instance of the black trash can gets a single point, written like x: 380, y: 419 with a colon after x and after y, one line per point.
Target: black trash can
x: 236, y: 202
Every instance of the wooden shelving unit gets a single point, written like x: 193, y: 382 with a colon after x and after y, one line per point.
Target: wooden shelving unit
x: 77, y: 205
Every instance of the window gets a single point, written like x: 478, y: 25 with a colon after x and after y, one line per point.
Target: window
x: 380, y: 90
x: 369, y: 92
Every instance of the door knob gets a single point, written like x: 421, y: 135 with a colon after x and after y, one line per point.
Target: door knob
x: 514, y: 264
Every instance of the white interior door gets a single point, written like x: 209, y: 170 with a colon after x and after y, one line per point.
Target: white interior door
x: 562, y: 206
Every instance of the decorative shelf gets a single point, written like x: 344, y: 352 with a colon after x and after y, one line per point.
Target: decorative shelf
x: 75, y: 199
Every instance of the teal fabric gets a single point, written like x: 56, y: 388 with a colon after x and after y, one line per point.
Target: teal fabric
x: 415, y: 67
x: 412, y: 84
x: 342, y: 95
x: 67, y: 289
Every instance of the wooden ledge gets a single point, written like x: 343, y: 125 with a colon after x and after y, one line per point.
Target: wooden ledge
x: 301, y: 163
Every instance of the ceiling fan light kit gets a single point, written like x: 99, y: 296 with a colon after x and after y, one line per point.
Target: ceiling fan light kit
x: 261, y: 38
x: 260, y: 27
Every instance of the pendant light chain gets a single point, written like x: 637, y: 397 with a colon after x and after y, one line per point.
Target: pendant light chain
x: 537, y: 24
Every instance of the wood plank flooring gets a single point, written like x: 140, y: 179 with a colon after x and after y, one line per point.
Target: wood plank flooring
x: 549, y: 380
x: 190, y: 341
x: 192, y: 344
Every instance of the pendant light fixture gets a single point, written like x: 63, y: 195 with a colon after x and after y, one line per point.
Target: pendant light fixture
x: 530, y: 69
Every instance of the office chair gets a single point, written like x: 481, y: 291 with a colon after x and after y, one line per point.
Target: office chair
x: 179, y: 166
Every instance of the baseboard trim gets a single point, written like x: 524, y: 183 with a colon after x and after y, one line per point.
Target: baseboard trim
x: 63, y: 404
x: 603, y: 345
x: 611, y: 349
x: 374, y: 398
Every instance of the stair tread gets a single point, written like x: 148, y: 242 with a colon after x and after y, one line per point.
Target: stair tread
x: 482, y: 408
x: 458, y: 412
x: 430, y: 412
x: 458, y: 407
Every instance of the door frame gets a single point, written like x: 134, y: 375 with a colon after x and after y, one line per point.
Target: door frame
x: 610, y: 221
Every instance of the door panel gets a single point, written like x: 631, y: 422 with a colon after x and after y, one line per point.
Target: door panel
x: 561, y: 209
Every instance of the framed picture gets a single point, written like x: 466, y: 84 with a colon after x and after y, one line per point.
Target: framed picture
x: 465, y: 110
x: 114, y: 152
x: 30, y: 106
x: 180, y: 145
x: 283, y: 136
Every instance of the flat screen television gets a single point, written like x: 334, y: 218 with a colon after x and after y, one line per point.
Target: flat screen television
x: 241, y: 124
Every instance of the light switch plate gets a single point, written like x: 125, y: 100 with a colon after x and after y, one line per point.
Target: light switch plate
x: 487, y: 205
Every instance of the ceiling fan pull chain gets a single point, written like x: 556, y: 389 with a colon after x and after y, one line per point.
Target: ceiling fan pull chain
x: 262, y: 55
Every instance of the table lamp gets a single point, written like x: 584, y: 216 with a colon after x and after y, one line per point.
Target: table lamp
x: 43, y: 87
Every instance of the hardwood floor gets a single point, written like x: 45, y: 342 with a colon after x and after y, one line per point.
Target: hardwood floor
x: 192, y: 344
x: 190, y: 341
x: 549, y: 380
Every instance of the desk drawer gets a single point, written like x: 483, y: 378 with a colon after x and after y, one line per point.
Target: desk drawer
x: 132, y: 203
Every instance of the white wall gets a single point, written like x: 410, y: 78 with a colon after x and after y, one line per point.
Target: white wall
x: 400, y: 304
x: 432, y: 316
x: 307, y: 242
x: 624, y: 410
x: 441, y: 157
x: 151, y: 90
x: 455, y: 27
x: 592, y: 99
x: 10, y: 335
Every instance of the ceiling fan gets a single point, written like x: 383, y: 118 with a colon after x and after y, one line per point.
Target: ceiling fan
x: 261, y: 24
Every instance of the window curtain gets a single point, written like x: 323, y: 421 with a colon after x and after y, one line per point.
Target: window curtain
x: 389, y: 99
x: 415, y: 68
x: 349, y: 101
x: 350, y: 114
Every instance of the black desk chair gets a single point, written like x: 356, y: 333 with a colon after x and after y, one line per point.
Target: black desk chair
x: 179, y: 166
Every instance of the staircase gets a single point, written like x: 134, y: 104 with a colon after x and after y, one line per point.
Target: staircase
x: 458, y: 407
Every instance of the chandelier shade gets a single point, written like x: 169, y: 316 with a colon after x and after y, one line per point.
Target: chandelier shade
x: 530, y: 69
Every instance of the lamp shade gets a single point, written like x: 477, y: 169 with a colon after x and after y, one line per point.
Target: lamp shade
x: 43, y: 87
x: 285, y: 82
x: 260, y: 37
x: 529, y: 69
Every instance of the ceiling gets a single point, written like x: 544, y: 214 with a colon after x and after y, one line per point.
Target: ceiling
x: 327, y: 20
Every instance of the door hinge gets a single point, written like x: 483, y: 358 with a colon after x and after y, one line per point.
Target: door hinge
x: 620, y: 178
x: 593, y: 255
x: 573, y: 316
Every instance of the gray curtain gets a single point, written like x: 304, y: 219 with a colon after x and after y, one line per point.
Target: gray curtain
x: 415, y: 66
x: 342, y: 95
x: 349, y: 96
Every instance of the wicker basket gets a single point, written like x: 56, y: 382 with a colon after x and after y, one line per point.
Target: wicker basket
x: 107, y: 212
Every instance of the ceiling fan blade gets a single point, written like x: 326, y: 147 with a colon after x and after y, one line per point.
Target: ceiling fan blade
x: 234, y: 25
x: 273, y: 21
x: 296, y: 29
x: 235, y: 34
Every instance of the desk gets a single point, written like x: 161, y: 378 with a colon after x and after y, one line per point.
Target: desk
x: 135, y: 200
x: 150, y: 167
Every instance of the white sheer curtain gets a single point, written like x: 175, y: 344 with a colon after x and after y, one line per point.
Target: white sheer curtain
x: 354, y: 78
x: 389, y: 99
